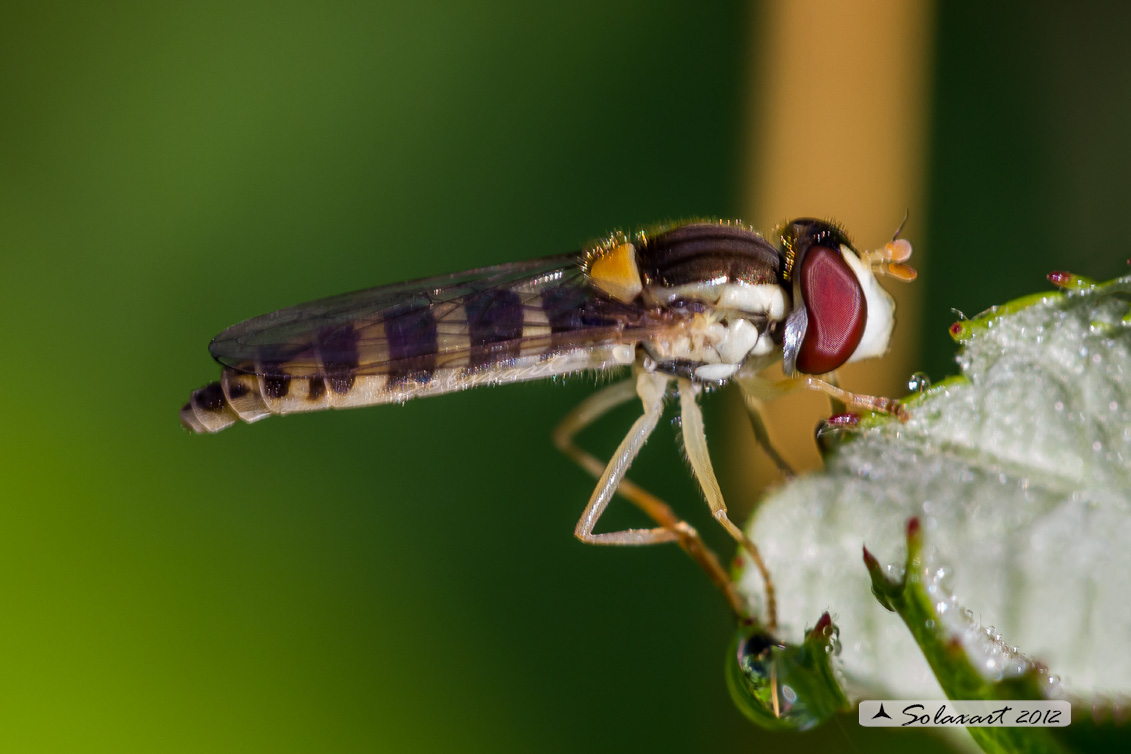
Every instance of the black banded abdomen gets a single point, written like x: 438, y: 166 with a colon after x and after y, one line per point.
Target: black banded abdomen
x: 249, y: 397
x: 494, y: 326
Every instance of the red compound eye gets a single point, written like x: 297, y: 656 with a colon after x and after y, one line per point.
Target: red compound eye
x: 836, y: 310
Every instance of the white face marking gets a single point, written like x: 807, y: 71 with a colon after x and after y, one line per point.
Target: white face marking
x: 768, y: 299
x: 881, y: 310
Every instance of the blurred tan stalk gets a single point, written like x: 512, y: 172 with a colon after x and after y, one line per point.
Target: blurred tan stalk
x: 837, y: 121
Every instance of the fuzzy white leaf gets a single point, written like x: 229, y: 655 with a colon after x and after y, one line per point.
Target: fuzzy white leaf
x: 1020, y: 473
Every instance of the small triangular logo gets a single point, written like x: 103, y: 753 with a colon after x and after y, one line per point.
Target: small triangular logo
x: 881, y: 713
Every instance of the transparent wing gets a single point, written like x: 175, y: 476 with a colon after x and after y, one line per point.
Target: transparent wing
x: 474, y: 318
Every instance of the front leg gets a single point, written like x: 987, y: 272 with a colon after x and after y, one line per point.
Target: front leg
x: 589, y: 411
x: 879, y: 404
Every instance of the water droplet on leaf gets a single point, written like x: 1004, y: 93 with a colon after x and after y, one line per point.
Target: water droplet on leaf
x: 918, y: 382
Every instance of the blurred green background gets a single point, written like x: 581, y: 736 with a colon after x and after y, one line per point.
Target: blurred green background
x: 405, y: 578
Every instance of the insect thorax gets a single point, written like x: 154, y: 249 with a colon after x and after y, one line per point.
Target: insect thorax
x: 711, y: 347
x: 721, y: 277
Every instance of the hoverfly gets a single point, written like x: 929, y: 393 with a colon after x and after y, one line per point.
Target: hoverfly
x: 686, y: 306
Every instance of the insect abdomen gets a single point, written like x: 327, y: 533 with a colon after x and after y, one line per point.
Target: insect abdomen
x: 247, y: 397
x: 236, y: 397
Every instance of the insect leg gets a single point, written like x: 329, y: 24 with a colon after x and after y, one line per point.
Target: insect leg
x: 756, y: 392
x: 875, y: 403
x: 588, y: 411
x: 651, y: 389
x: 695, y: 443
x: 835, y: 403
x: 764, y: 389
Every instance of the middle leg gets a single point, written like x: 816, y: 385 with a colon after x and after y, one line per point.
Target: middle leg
x: 695, y: 443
